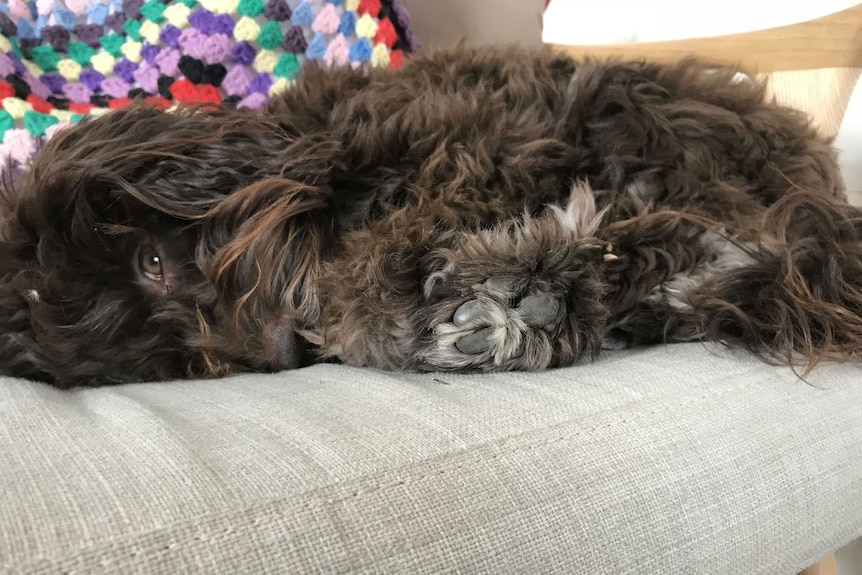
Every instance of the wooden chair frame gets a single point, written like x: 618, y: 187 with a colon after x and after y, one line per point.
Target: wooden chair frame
x: 833, y: 41
x: 812, y: 65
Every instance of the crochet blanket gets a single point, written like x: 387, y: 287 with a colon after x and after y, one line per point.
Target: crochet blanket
x: 62, y: 60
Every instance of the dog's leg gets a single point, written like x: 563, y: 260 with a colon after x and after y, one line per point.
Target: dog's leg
x: 799, y: 300
x: 793, y: 296
x: 526, y: 294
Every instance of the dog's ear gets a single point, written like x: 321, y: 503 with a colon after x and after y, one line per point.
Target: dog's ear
x: 20, y: 287
x: 261, y: 248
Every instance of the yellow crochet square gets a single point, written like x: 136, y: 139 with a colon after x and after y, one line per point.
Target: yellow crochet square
x: 62, y: 115
x: 33, y: 68
x: 281, y: 86
x: 5, y: 45
x: 220, y: 6
x: 103, y: 63
x: 351, y: 5
x: 150, y: 32
x: 366, y: 27
x: 16, y: 107
x: 246, y: 30
x: 265, y: 61
x: 380, y: 56
x: 69, y: 69
x: 178, y: 15
x: 132, y: 51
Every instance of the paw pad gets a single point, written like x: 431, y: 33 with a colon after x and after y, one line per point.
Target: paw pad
x: 538, y: 310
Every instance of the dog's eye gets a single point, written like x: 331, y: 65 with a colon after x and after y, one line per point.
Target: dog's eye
x: 151, y: 264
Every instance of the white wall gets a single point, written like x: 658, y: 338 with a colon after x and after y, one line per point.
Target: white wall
x: 849, y: 143
x: 442, y: 23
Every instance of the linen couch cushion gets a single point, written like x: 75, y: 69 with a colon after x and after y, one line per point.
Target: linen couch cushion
x: 674, y: 459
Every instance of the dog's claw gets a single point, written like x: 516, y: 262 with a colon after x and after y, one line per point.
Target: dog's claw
x: 470, y: 311
x: 475, y: 343
x: 539, y: 310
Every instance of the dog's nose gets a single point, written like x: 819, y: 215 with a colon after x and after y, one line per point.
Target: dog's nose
x: 284, y: 343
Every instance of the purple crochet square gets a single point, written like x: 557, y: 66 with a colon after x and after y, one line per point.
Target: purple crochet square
x: 6, y: 66
x: 243, y: 53
x: 236, y: 81
x: 89, y: 34
x: 36, y: 87
x: 149, y: 53
x: 294, y: 41
x: 224, y: 24
x: 132, y: 8
x: 57, y: 36
x: 170, y: 34
x: 115, y: 88
x: 53, y: 82
x: 402, y: 17
x: 115, y: 22
x: 7, y: 26
x: 260, y: 84
x: 92, y: 79
x: 203, y: 20
x: 277, y: 10
x: 125, y: 70
x: 148, y: 78
x: 253, y: 101
x: 167, y: 62
x: 28, y: 44
x: 193, y: 42
x: 78, y: 93
x: 217, y: 49
x: 20, y: 68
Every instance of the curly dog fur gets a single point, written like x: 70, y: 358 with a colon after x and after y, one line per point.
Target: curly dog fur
x: 481, y: 209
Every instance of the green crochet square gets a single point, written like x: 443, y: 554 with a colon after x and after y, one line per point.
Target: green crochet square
x: 7, y: 122
x: 154, y: 11
x: 270, y: 36
x: 37, y: 123
x: 80, y: 53
x: 250, y: 8
x: 76, y: 118
x: 15, y: 47
x: 288, y: 66
x: 189, y: 3
x: 45, y: 57
x: 112, y: 43
x: 132, y: 28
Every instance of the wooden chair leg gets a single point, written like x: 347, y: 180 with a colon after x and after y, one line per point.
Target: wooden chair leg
x: 825, y: 566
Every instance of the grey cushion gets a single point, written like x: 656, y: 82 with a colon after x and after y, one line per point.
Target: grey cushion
x: 675, y: 459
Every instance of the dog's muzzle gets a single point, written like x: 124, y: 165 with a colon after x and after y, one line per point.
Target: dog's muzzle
x: 285, y: 344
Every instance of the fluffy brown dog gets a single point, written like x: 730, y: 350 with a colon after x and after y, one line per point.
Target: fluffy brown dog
x: 479, y: 210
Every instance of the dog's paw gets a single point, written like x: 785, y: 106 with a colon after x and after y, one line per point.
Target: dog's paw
x: 504, y: 325
x: 537, y: 311
x: 523, y: 296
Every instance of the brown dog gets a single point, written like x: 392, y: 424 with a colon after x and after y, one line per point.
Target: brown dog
x: 479, y: 210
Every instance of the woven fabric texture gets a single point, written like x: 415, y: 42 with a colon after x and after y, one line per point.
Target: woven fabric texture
x: 674, y: 460
x: 62, y: 60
